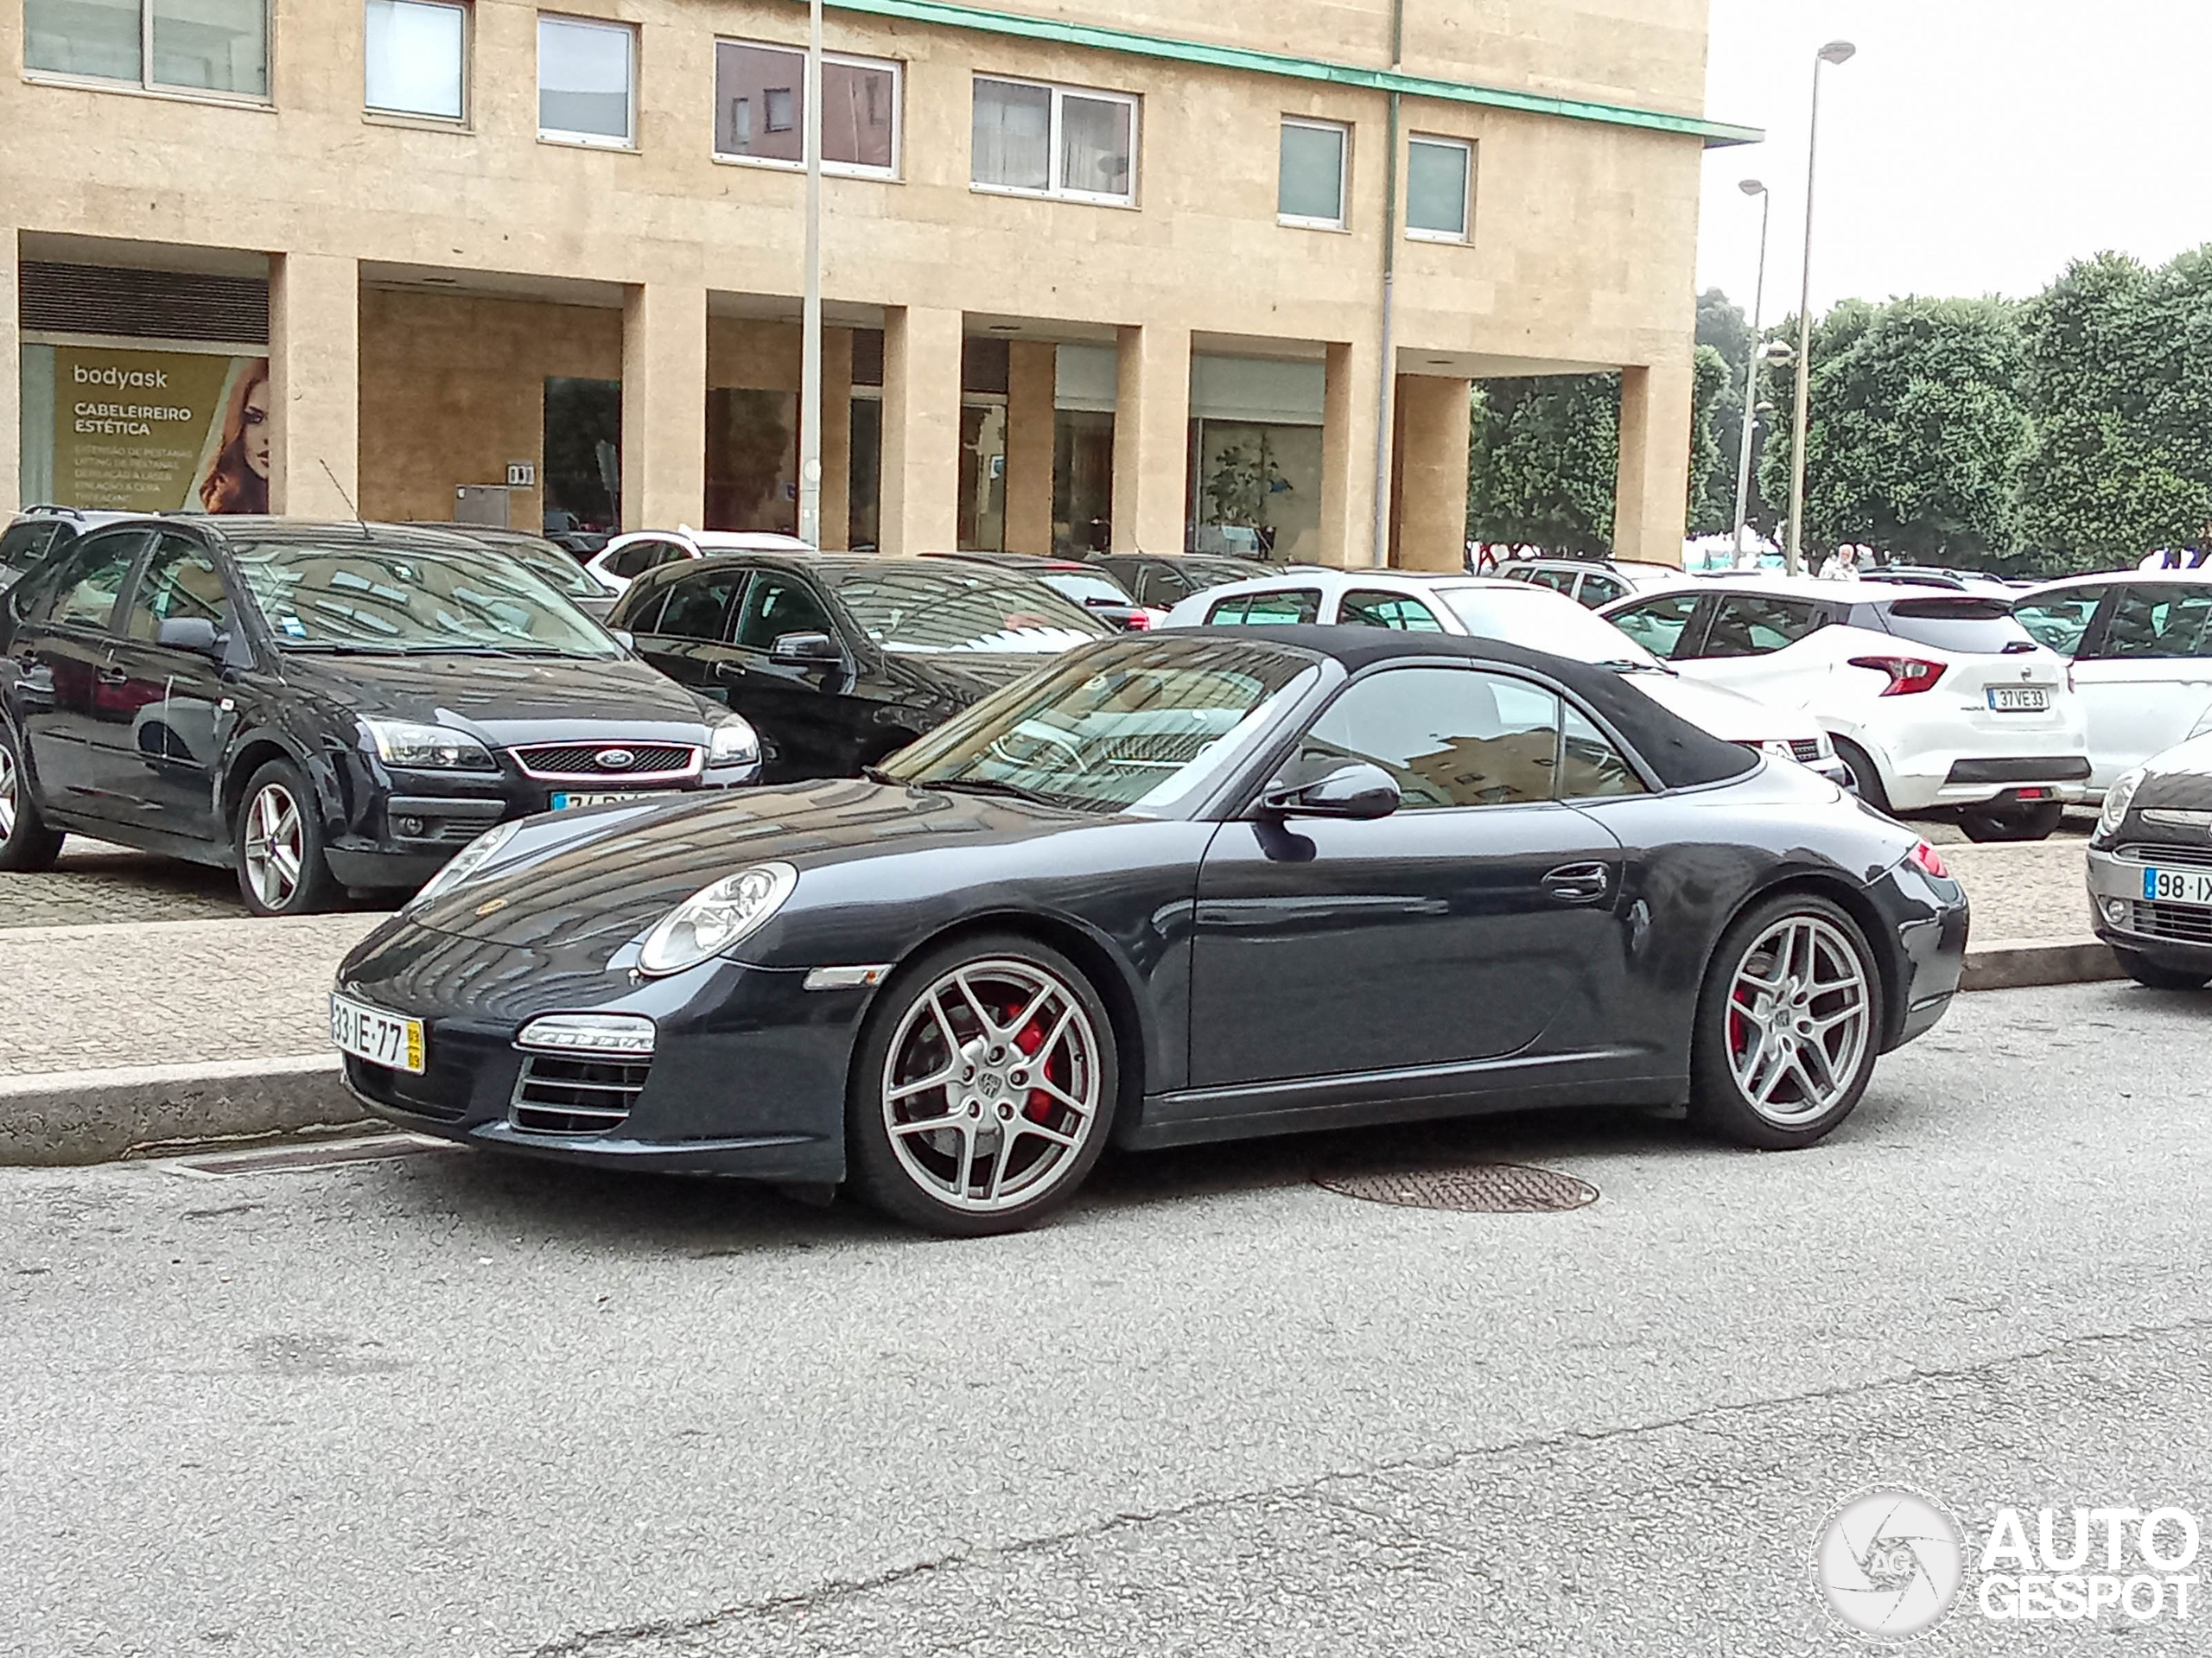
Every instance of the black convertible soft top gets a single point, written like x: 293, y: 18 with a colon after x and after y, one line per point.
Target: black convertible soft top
x: 1683, y: 754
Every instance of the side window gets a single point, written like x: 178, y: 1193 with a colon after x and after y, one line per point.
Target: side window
x: 1267, y: 609
x: 85, y: 594
x: 636, y: 559
x: 1657, y: 624
x: 1600, y: 590
x: 2158, y: 621
x: 1557, y: 580
x: 777, y: 605
x: 1375, y: 609
x: 698, y: 606
x: 1162, y: 589
x: 180, y: 582
x: 1751, y: 624
x: 1590, y: 767
x: 1449, y: 736
x: 1518, y: 573
x: 23, y: 545
x: 2057, y: 621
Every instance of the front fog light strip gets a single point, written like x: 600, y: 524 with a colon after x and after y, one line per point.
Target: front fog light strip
x: 622, y: 1036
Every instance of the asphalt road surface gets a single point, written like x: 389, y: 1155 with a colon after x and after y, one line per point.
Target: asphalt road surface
x: 448, y: 1405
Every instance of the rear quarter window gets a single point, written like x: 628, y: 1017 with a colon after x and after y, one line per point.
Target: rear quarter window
x: 23, y: 545
x: 1267, y: 609
x: 1973, y: 626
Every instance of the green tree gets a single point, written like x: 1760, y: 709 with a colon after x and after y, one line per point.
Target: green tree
x: 1712, y: 466
x: 1722, y: 325
x: 1917, y: 430
x: 1542, y: 459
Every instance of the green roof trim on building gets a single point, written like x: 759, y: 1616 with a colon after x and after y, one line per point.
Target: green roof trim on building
x: 1714, y: 133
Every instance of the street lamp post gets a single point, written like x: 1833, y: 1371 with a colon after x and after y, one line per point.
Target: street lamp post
x: 1751, y: 188
x: 1794, y: 552
x: 809, y: 379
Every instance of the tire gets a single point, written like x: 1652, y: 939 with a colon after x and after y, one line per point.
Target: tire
x: 2037, y: 820
x: 2149, y: 974
x: 1867, y: 781
x: 27, y: 845
x: 927, y: 1032
x: 277, y: 845
x: 1773, y: 1096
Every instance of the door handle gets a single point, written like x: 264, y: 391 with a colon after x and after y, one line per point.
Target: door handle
x: 1578, y: 883
x: 112, y: 676
x: 730, y: 670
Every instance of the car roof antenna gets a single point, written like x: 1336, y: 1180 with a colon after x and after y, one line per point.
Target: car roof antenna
x: 342, y: 495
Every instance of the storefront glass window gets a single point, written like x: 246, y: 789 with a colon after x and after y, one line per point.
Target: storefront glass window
x: 1257, y: 487
x: 864, y: 492
x: 981, y: 527
x: 1082, y: 482
x: 752, y: 459
x: 582, y: 478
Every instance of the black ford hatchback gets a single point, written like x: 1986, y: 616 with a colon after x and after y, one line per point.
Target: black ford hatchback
x: 321, y: 706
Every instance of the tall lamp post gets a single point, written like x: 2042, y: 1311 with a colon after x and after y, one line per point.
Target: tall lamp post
x: 809, y: 378
x: 1751, y: 188
x: 1794, y: 552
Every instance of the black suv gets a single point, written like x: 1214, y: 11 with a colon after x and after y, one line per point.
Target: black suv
x: 319, y: 705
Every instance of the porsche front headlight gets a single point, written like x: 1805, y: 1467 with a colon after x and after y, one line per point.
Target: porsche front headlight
x: 2116, y: 802
x: 714, y: 918
x: 465, y: 863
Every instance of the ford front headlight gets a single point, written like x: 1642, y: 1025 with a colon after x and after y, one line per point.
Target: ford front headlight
x: 732, y: 742
x: 714, y: 918
x: 404, y: 742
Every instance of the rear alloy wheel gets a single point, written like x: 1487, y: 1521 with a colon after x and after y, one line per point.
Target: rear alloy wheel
x: 983, y: 1089
x: 2037, y: 820
x: 2148, y: 973
x: 278, y: 842
x: 26, y: 844
x: 1789, y: 1025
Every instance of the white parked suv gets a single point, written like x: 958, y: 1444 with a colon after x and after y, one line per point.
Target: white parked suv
x: 1538, y: 618
x: 1591, y: 582
x: 2140, y: 642
x: 1937, y: 699
x: 626, y: 558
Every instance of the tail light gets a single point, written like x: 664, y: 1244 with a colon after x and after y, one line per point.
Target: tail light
x: 1139, y: 621
x: 1908, y: 675
x: 1929, y: 861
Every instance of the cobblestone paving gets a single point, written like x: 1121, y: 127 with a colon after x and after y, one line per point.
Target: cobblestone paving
x: 173, y: 993
x: 95, y: 883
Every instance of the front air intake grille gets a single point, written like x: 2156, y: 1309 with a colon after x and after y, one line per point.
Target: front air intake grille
x: 612, y: 761
x: 2185, y: 923
x: 563, y: 1094
x: 2200, y: 856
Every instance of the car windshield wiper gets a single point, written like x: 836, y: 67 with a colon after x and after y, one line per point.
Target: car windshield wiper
x: 328, y: 648
x: 984, y: 786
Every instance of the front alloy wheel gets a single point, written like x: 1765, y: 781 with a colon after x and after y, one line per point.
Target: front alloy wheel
x: 984, y: 1093
x: 1789, y: 1025
x: 279, y: 845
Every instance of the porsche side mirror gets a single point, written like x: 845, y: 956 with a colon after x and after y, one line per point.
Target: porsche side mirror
x: 1357, y: 789
x: 805, y: 650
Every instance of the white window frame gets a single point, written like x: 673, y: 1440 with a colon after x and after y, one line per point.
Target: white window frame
x: 1466, y: 230
x: 586, y: 140
x: 378, y: 112
x: 851, y: 61
x: 1306, y: 222
x: 146, y: 83
x: 1054, y: 189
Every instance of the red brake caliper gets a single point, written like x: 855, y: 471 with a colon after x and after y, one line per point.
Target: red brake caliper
x: 1029, y: 1039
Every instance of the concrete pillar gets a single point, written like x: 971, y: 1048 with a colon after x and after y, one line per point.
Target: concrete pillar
x: 1432, y: 456
x: 1032, y: 392
x: 314, y: 384
x: 664, y: 405
x: 1349, y: 414
x: 921, y: 429
x: 1651, y: 494
x: 11, y: 374
x: 837, y: 439
x: 1152, y: 439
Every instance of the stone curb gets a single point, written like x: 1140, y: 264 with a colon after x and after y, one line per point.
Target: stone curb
x: 61, y: 1118
x: 2016, y: 964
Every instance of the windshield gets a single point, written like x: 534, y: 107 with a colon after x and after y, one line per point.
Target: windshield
x: 412, y: 600
x: 1544, y: 620
x: 557, y: 569
x: 1970, y: 626
x: 1132, y: 727
x: 948, y: 608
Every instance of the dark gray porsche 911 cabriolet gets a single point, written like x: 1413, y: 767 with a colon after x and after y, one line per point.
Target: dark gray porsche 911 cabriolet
x: 1168, y: 889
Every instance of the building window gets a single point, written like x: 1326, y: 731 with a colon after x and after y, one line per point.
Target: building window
x: 1310, y: 189
x: 1055, y: 141
x: 417, y: 58
x: 200, y: 46
x: 1437, y: 173
x: 587, y: 81
x: 760, y: 109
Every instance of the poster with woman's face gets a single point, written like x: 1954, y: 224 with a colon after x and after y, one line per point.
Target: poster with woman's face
x: 160, y: 431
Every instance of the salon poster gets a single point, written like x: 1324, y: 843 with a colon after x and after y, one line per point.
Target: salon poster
x: 157, y: 431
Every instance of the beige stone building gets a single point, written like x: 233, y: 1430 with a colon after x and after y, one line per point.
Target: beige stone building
x: 1092, y: 271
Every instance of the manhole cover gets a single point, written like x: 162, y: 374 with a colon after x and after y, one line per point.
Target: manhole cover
x: 1473, y: 1188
